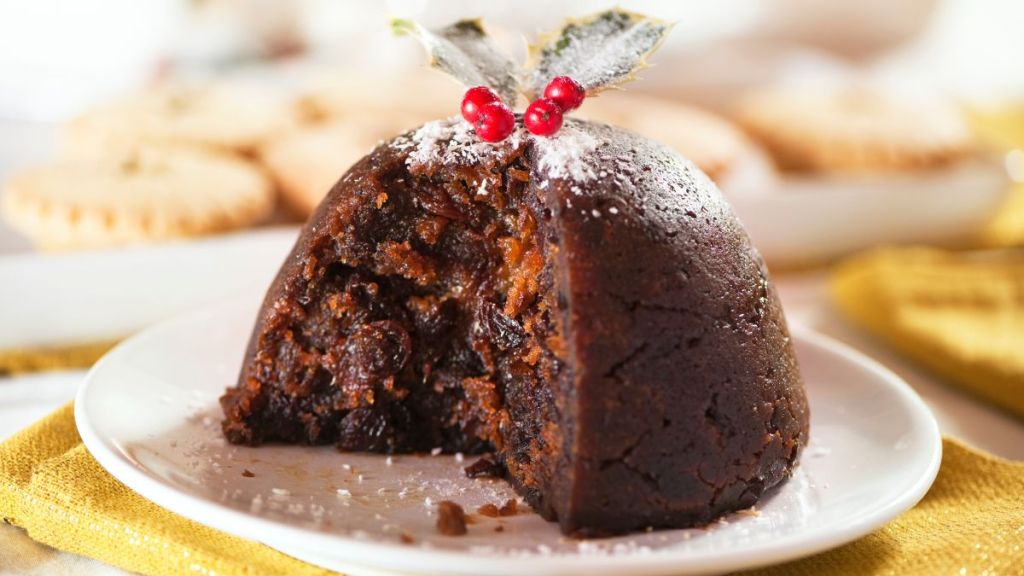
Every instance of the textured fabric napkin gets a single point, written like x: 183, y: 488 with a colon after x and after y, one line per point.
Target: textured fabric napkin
x: 53, y: 488
x: 972, y: 518
x: 42, y: 358
x: 971, y: 522
x: 959, y: 313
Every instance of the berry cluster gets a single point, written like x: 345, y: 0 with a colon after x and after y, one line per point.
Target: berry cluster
x: 494, y: 121
x: 492, y: 118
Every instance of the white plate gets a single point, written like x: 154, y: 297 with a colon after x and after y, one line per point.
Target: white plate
x: 148, y: 413
x: 799, y: 220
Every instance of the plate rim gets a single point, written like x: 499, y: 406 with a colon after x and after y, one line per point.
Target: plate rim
x: 380, y: 555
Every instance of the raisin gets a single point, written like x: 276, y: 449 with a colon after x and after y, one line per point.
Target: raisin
x: 471, y: 249
x: 433, y: 318
x: 376, y: 350
x: 496, y: 327
x: 437, y: 201
x: 371, y: 429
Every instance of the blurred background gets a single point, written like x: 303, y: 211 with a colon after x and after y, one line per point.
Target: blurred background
x: 159, y: 155
x: 918, y: 100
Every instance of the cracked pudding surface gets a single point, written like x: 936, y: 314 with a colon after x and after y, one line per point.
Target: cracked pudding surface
x: 585, y: 306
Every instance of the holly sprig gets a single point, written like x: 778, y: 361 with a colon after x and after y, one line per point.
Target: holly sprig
x: 600, y: 51
x: 583, y: 57
x: 465, y: 51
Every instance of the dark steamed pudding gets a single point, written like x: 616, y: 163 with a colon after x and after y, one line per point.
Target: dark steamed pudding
x: 586, y: 307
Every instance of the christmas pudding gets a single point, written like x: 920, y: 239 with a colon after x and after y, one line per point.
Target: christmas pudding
x: 579, y: 301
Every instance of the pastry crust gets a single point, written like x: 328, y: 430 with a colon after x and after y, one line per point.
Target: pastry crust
x: 218, y: 116
x: 147, y: 194
x: 854, y: 128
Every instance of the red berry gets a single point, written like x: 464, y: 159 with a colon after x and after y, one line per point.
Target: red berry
x: 474, y: 100
x: 566, y: 92
x: 494, y: 122
x: 543, y: 117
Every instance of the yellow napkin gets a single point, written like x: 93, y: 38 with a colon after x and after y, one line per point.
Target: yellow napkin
x: 971, y: 522
x: 972, y: 518
x: 29, y: 359
x: 52, y: 487
x: 961, y: 314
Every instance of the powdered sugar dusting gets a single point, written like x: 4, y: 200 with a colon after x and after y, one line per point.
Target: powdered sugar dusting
x: 568, y: 154
x: 601, y: 170
x: 452, y: 141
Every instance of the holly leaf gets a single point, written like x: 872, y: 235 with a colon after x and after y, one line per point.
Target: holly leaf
x: 464, y: 51
x: 599, y: 51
